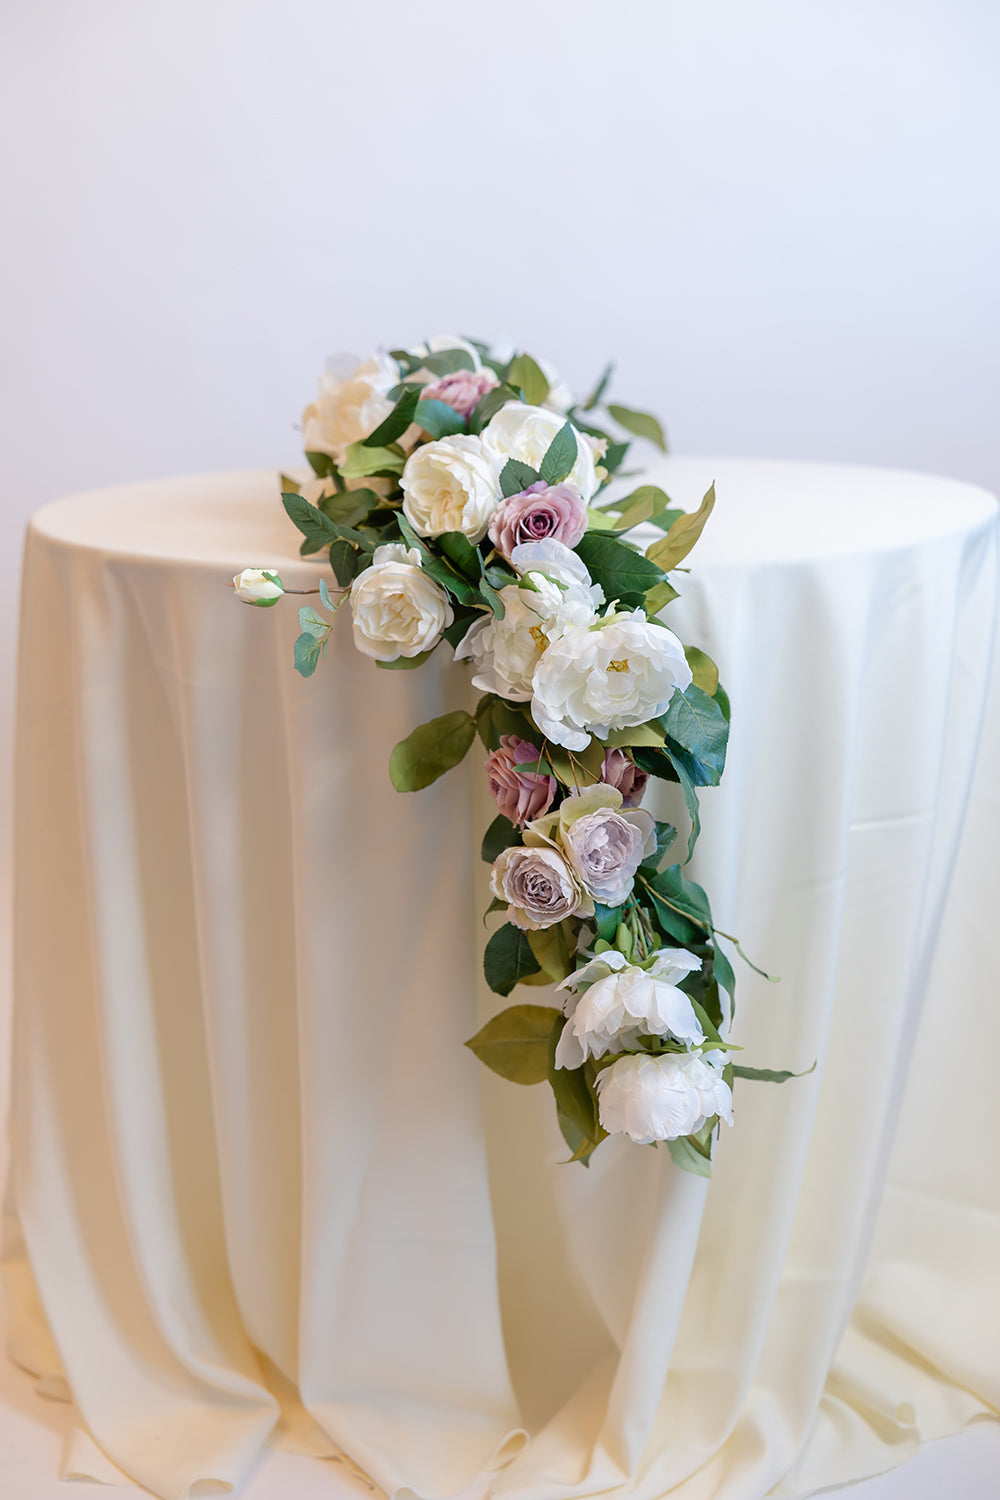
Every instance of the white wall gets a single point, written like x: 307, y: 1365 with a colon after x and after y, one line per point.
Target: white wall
x: 782, y: 217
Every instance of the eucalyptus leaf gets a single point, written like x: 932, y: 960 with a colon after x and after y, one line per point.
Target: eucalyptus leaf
x: 642, y: 423
x: 508, y: 959
x: 439, y: 419
x: 515, y: 1043
x: 308, y: 650
x: 560, y: 456
x: 682, y: 535
x: 324, y: 594
x: 430, y: 750
x: 313, y: 623
x: 526, y: 373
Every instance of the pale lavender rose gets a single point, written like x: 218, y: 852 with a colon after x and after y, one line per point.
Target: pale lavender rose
x: 462, y: 391
x: 539, y: 887
x: 606, y: 848
x: 519, y: 795
x: 621, y: 771
x: 540, y: 512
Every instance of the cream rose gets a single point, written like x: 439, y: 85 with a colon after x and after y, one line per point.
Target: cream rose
x: 525, y: 432
x: 450, y: 485
x: 592, y: 681
x: 538, y: 886
x: 397, y: 610
x: 350, y: 405
x: 660, y: 1098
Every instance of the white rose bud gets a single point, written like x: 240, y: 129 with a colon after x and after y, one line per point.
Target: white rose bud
x: 618, y: 1002
x: 397, y: 610
x: 660, y: 1098
x: 525, y: 432
x: 450, y: 485
x: 595, y: 681
x: 258, y: 586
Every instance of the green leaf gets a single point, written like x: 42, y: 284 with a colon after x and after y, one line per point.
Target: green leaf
x: 706, y: 673
x: 515, y: 1043
x: 769, y: 1075
x: 690, y: 798
x: 405, y: 663
x: 516, y: 476
x: 395, y: 423
x: 363, y: 460
x: 658, y: 597
x: 500, y: 835
x: 344, y: 560
x: 695, y: 724
x: 553, y: 951
x: 321, y: 464
x: 682, y: 908
x: 459, y: 550
x: 489, y: 405
x: 431, y: 750
x: 599, y: 389
x: 324, y: 594
x: 641, y: 505
x: 560, y: 455
x: 492, y: 598
x: 313, y: 623
x: 682, y: 535
x: 446, y: 362
x: 439, y: 419
x: 615, y: 567
x: 317, y: 528
x: 576, y: 1106
x: 528, y: 375
x: 666, y: 834
x: 642, y: 423
x: 508, y: 959
x: 640, y: 734
x: 614, y: 457
x: 666, y: 518
x: 308, y: 650
x: 348, y: 506
x: 495, y: 717
x: 723, y: 972
x: 607, y: 919
x: 684, y: 1154
x: 577, y: 769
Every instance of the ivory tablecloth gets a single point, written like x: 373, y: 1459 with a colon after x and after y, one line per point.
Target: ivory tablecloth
x: 250, y: 1154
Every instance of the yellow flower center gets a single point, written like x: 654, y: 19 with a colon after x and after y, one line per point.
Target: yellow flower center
x: 618, y: 666
x: 539, y: 637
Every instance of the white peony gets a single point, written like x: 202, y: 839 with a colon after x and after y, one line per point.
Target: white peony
x: 258, y: 586
x: 525, y: 432
x: 505, y: 653
x: 661, y: 1098
x: 450, y: 485
x: 593, y: 681
x: 616, y: 1002
x: 397, y: 610
x: 353, y: 400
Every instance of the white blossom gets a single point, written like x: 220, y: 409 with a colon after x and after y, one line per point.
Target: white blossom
x: 660, y: 1098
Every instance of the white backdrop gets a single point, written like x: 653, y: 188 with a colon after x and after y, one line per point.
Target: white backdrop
x: 782, y: 217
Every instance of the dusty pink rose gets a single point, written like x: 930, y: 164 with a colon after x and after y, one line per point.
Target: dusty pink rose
x: 621, y: 771
x: 462, y: 390
x: 537, y: 513
x: 520, y: 795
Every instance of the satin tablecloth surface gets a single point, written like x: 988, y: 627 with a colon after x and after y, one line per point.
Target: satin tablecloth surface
x: 254, y: 1169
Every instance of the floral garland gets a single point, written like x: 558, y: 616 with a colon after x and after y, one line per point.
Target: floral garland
x: 455, y: 488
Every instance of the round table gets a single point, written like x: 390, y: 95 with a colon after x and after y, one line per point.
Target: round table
x: 260, y: 1188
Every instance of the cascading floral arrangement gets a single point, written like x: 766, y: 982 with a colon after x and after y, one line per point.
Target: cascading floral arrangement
x: 455, y: 489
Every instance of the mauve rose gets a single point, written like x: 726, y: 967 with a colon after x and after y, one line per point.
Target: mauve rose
x: 606, y: 848
x: 539, y: 887
x: 621, y: 771
x: 540, y: 512
x: 519, y: 795
x: 462, y: 390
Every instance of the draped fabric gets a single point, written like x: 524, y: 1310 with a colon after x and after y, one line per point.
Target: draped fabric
x: 259, y: 1189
